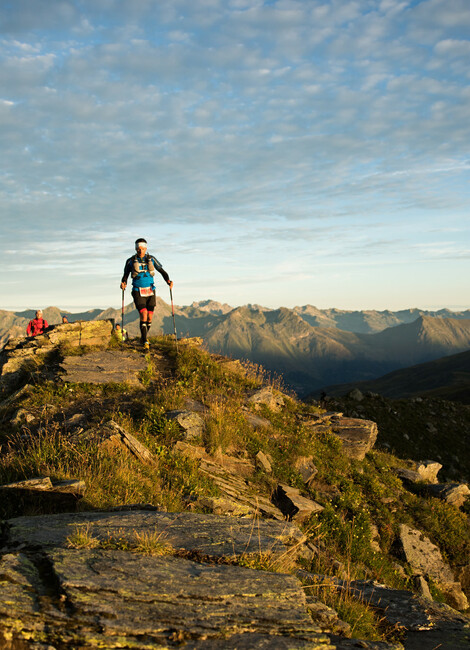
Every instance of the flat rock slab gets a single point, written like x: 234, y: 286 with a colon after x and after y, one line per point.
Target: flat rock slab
x: 108, y: 598
x: 426, y: 624
x: 103, y: 366
x: 211, y: 535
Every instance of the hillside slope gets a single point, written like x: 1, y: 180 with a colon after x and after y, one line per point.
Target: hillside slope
x: 184, y: 479
x: 447, y: 377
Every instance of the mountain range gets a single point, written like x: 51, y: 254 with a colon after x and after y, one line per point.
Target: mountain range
x: 310, y: 347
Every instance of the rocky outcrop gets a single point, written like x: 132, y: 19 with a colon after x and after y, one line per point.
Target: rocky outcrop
x: 104, y: 596
x: 424, y: 624
x: 426, y: 560
x: 104, y: 366
x: 190, y: 423
x: 266, y: 397
x: 21, y: 357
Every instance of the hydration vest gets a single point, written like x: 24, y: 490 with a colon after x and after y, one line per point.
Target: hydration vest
x: 137, y: 264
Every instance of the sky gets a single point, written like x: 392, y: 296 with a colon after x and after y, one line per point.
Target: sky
x: 278, y: 152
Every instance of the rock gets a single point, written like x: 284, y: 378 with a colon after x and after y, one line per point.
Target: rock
x: 430, y: 427
x: 422, y: 587
x: 358, y: 436
x: 454, y: 493
x: 455, y: 597
x: 224, y: 506
x: 218, y: 464
x: 75, y: 420
x: 263, y: 462
x: 425, y: 559
x: 266, y: 397
x: 428, y: 470
x: 21, y: 357
x: 407, y: 475
x: 292, y: 504
x: 25, y: 391
x: 206, y: 534
x: 356, y: 395
x: 232, y: 366
x: 104, y: 366
x: 256, y: 421
x: 191, y: 342
x: 232, y: 477
x: 326, y: 617
x: 189, y: 422
x: 306, y: 468
x: 115, y: 599
x: 37, y: 483
x: 423, y: 623
x: 112, y: 432
x: 22, y: 417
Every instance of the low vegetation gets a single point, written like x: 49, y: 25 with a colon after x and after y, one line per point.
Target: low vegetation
x: 361, y: 499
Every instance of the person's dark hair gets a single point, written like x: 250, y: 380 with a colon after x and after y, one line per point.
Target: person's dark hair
x: 141, y: 239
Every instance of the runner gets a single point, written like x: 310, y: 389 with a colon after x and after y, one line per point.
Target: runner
x: 142, y: 267
x: 37, y: 326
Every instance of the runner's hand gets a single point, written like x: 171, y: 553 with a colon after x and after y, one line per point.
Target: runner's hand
x: 123, y: 285
x: 170, y: 284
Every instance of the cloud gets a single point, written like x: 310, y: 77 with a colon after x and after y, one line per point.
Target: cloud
x: 327, y: 116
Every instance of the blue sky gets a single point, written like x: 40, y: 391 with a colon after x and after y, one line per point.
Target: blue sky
x: 277, y: 152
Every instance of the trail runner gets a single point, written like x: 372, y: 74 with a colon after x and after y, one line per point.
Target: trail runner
x: 142, y: 267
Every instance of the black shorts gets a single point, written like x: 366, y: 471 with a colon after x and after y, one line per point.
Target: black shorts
x: 144, y: 302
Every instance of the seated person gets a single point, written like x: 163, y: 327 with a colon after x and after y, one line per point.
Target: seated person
x: 121, y: 334
x: 37, y: 326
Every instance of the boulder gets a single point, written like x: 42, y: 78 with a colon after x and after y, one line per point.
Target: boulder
x: 189, y: 422
x: 292, y: 504
x: 358, y: 436
x: 428, y: 470
x: 425, y: 559
x: 454, y: 493
x: 407, y: 475
x: 266, y: 397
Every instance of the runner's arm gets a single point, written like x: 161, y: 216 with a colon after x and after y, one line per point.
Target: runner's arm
x: 161, y: 270
x: 125, y: 275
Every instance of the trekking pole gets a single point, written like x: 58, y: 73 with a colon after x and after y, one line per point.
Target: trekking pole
x: 122, y: 318
x: 174, y: 322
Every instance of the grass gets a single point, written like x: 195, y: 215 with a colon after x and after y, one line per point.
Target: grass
x: 147, y: 543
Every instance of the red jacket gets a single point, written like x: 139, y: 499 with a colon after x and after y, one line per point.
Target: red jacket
x: 36, y: 326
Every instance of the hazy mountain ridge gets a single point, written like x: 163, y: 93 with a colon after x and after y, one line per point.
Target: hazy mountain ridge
x: 282, y: 340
